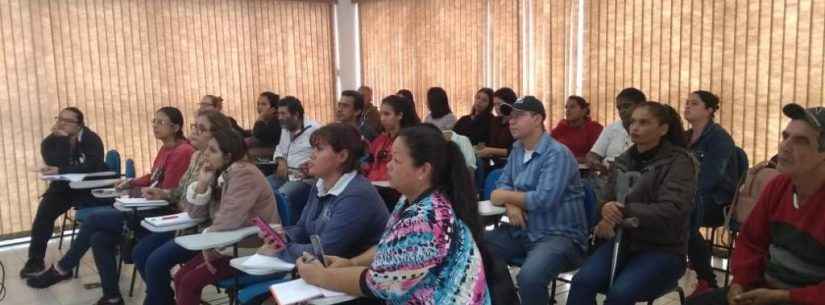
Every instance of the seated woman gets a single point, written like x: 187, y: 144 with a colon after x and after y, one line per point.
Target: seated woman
x: 229, y: 191
x: 476, y: 125
x: 206, y: 123
x: 653, y: 254
x: 428, y: 253
x: 396, y: 113
x: 577, y: 131
x: 493, y: 153
x: 343, y: 208
x: 439, y: 106
x: 103, y: 229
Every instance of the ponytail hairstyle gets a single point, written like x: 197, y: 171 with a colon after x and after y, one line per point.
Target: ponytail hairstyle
x: 710, y: 100
x: 667, y: 115
x: 401, y: 105
x: 231, y: 144
x: 216, y: 101
x: 583, y: 104
x: 450, y: 174
x: 175, y: 117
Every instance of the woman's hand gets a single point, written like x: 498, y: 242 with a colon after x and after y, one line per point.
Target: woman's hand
x: 270, y: 247
x: 153, y: 193
x: 49, y: 170
x: 205, y: 179
x: 311, y: 270
x: 338, y: 262
x: 612, y: 212
x: 604, y: 230
x: 124, y: 184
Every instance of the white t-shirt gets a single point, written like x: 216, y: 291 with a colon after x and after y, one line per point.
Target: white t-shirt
x: 528, y: 155
x: 466, y: 149
x: 444, y: 123
x: 296, y: 151
x: 613, y: 141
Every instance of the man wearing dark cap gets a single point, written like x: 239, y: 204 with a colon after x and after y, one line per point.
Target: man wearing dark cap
x: 541, y: 189
x: 713, y: 147
x: 780, y: 253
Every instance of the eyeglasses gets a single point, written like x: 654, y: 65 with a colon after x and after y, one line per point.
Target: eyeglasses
x: 64, y: 120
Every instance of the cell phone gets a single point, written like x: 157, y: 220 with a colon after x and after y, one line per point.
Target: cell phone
x: 317, y: 249
x: 269, y: 232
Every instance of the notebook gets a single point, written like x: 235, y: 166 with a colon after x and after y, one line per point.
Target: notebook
x: 170, y: 220
x: 64, y: 177
x: 486, y: 208
x: 297, y: 291
x: 140, y: 202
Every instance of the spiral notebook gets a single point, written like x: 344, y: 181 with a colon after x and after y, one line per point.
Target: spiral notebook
x: 297, y: 291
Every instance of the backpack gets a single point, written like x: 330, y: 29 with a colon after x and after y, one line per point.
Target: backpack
x: 750, y: 187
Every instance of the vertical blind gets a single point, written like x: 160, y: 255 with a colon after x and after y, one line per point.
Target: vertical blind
x: 421, y: 44
x: 121, y: 60
x: 465, y: 45
x: 755, y: 55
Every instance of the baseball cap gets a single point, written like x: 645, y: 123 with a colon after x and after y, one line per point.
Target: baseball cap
x: 526, y: 103
x: 815, y: 116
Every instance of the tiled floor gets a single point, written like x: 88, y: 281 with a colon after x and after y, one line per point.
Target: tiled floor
x: 74, y: 292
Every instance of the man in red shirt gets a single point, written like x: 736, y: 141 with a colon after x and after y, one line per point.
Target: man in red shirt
x: 780, y: 253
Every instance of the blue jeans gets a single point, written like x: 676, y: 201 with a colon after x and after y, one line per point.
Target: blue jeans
x: 146, y: 247
x: 156, y: 268
x: 102, y: 230
x: 296, y: 192
x: 639, y: 277
x: 542, y: 260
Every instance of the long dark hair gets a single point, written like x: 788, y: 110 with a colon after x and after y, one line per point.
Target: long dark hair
x: 449, y: 171
x: 489, y: 93
x: 231, y: 143
x: 402, y: 105
x: 175, y: 117
x: 272, y: 98
x: 438, y: 103
x: 411, y: 98
x: 667, y: 115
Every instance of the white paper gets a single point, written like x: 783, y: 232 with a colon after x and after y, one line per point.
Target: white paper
x: 259, y: 261
x: 141, y: 202
x: 169, y: 220
x: 487, y: 208
x: 297, y: 291
x: 65, y: 177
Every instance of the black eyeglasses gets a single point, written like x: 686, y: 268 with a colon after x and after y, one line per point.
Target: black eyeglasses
x: 64, y: 120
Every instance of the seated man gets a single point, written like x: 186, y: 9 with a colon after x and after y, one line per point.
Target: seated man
x: 266, y: 132
x: 71, y: 148
x: 779, y: 253
x: 350, y: 111
x: 292, y: 153
x: 613, y: 141
x: 544, y: 197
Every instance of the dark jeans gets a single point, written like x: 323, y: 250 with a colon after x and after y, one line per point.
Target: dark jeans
x: 102, y: 231
x: 53, y: 204
x: 156, y: 267
x: 715, y: 297
x: 543, y: 260
x: 698, y: 251
x: 639, y: 276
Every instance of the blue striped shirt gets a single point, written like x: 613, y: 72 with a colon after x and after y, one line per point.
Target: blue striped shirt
x: 554, y: 199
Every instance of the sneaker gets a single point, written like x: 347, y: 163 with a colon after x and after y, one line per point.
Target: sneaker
x: 702, y: 287
x: 110, y: 301
x: 48, y: 278
x: 32, y: 268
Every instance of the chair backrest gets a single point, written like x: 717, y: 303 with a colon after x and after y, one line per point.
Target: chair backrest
x: 591, y: 204
x: 130, y: 168
x: 748, y: 192
x: 112, y: 161
x: 284, y: 211
x: 490, y: 183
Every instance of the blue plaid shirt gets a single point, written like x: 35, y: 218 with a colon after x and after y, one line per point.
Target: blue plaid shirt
x: 554, y: 199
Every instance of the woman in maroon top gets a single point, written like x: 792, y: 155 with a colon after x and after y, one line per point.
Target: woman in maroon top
x: 494, y: 153
x: 577, y: 131
x: 396, y: 114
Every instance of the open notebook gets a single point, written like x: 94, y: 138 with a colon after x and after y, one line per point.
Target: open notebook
x: 297, y: 291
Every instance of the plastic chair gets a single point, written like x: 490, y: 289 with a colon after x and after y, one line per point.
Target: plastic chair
x: 490, y: 183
